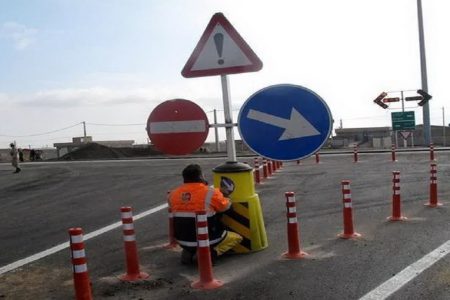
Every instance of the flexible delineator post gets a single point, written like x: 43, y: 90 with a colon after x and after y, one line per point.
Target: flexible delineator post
x: 256, y: 170
x: 81, y: 280
x: 396, y: 201
x: 317, y: 158
x: 269, y: 167
x: 347, y: 212
x: 432, y: 153
x: 355, y: 154
x: 294, y: 250
x: 265, y: 171
x: 130, y: 246
x: 433, y: 202
x: 206, y: 280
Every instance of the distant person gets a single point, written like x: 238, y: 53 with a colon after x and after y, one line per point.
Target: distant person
x: 14, y: 158
x: 20, y: 155
x: 195, y: 195
x: 32, y: 155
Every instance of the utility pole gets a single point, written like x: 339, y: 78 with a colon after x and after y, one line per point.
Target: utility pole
x: 423, y: 68
x: 84, y: 131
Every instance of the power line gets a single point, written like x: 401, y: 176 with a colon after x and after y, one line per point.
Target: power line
x: 38, y: 134
x: 98, y: 124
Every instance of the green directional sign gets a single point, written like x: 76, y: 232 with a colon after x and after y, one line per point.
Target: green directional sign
x: 403, y: 120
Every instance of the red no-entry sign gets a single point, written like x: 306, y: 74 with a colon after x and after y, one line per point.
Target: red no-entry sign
x: 177, y: 127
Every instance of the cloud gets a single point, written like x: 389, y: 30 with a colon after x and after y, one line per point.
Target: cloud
x: 21, y: 35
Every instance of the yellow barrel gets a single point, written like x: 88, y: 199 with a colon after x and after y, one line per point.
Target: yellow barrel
x: 246, y: 217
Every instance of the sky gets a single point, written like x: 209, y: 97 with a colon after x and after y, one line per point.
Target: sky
x: 110, y: 63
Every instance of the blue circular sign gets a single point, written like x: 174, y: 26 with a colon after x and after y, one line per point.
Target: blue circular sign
x: 285, y: 122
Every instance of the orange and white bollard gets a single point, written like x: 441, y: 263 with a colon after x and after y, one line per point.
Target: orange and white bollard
x: 265, y: 169
x: 396, y: 201
x: 393, y: 153
x: 347, y: 212
x: 81, y: 280
x: 432, y: 158
x: 274, y: 166
x: 256, y: 171
x: 317, y: 158
x: 433, y: 202
x: 294, y: 251
x: 269, y: 167
x: 129, y: 237
x: 206, y: 281
x: 355, y: 154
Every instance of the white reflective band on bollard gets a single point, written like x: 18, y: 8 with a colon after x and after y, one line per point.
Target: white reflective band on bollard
x: 129, y: 238
x: 347, y: 204
x: 78, y: 253
x: 76, y: 239
x: 127, y: 215
x: 292, y: 209
x: 80, y: 268
x: 202, y: 218
x: 347, y: 196
x: 203, y: 243
x: 292, y: 220
x: 202, y: 230
x: 128, y: 226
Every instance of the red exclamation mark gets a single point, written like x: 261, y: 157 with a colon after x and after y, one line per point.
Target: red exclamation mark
x: 218, y: 40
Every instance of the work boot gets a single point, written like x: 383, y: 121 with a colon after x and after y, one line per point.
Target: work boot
x: 17, y: 170
x: 214, y: 257
x: 187, y: 257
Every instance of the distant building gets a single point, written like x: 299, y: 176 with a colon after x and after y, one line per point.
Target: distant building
x: 384, y: 137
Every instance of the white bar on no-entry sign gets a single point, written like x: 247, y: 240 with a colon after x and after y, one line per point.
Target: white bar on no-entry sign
x: 178, y: 126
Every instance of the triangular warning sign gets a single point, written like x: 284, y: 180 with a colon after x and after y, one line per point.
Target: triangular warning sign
x: 405, y: 134
x: 221, y: 50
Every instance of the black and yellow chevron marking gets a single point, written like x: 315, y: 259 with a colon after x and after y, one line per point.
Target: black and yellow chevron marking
x: 238, y: 220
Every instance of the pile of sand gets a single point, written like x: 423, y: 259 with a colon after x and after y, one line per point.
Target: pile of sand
x: 97, y: 151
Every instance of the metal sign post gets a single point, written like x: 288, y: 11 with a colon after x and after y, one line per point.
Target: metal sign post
x: 231, y: 148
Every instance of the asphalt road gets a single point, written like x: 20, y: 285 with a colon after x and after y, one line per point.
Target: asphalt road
x: 38, y: 205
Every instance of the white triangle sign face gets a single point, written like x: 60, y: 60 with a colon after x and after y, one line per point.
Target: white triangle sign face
x: 221, y: 50
x: 405, y: 134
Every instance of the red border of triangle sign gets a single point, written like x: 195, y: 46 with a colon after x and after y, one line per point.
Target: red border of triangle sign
x: 221, y: 50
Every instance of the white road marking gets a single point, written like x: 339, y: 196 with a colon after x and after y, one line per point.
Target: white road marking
x: 48, y: 252
x: 178, y: 126
x: 409, y: 273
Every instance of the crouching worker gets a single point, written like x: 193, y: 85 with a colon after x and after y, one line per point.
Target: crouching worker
x: 195, y: 195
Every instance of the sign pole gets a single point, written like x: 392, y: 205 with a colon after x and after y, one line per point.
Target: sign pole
x: 231, y: 148
x: 423, y: 71
x: 396, y: 139
x: 403, y: 103
x: 216, y: 131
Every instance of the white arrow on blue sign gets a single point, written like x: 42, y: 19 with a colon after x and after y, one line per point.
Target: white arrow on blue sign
x: 285, y: 122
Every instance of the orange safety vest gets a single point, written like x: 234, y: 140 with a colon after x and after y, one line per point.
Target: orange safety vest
x: 189, y: 198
